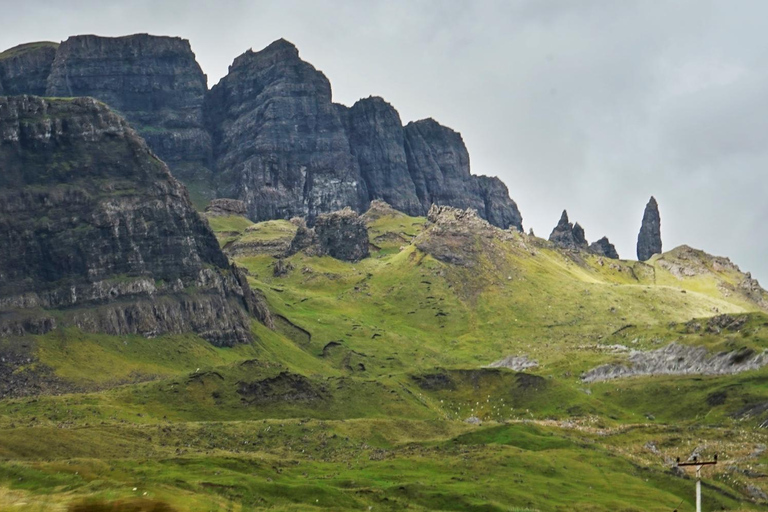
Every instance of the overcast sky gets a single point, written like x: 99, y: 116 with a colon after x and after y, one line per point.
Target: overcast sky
x: 591, y: 106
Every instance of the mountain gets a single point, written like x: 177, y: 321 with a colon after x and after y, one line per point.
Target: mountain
x: 268, y: 133
x: 96, y: 233
x: 419, y: 355
x: 154, y: 82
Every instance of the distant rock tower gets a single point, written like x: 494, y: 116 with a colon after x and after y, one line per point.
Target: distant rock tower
x: 567, y: 235
x: 649, y: 239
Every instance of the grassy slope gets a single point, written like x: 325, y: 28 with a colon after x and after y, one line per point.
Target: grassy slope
x: 24, y: 48
x: 388, y: 353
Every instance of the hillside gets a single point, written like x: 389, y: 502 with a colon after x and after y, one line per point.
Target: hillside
x: 452, y: 369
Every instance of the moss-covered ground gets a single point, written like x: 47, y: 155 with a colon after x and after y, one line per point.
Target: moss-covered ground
x: 358, y: 400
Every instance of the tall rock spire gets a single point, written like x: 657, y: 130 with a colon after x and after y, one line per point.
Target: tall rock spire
x: 649, y: 238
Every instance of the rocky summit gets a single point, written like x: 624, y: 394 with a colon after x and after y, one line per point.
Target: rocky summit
x: 96, y: 233
x: 268, y: 133
x: 568, y: 235
x: 649, y: 238
x: 603, y: 247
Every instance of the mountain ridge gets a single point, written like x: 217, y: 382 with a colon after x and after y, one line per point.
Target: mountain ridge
x: 164, y: 94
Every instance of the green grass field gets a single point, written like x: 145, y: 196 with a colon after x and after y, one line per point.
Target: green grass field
x: 358, y: 399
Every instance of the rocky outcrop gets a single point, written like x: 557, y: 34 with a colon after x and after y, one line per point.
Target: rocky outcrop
x: 268, y: 134
x: 96, y: 233
x: 461, y: 237
x: 676, y: 359
x: 439, y: 165
x: 342, y: 235
x: 225, y: 207
x: 286, y: 150
x: 155, y: 82
x: 603, y: 247
x: 516, y: 363
x: 567, y: 235
x: 281, y: 146
x: 24, y: 69
x: 685, y: 262
x: 377, y: 140
x: 303, y: 239
x: 649, y: 238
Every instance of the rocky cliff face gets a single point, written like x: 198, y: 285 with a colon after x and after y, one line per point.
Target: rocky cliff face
x: 439, y: 165
x: 285, y: 149
x: 280, y: 144
x: 649, y: 238
x: 268, y: 134
x: 377, y: 140
x: 24, y: 69
x: 96, y: 233
x: 155, y: 82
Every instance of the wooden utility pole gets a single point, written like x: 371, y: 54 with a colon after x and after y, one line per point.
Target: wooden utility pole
x: 698, y: 464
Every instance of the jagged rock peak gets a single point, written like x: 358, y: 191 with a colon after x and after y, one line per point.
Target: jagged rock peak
x: 649, y: 238
x: 96, y: 233
x: 268, y: 133
x: 275, y: 51
x: 604, y: 247
x: 567, y: 235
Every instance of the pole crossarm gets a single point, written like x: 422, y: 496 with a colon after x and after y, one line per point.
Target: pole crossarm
x: 698, y: 464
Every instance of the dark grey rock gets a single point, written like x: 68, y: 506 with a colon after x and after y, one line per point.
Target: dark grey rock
x: 649, y: 238
x: 342, y: 235
x: 303, y: 239
x: 226, y: 207
x: 268, y: 134
x: 280, y: 143
x: 155, y: 82
x: 377, y: 141
x: 281, y: 267
x: 24, y: 69
x: 96, y: 233
x: 567, y: 235
x: 439, y: 165
x: 604, y: 247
